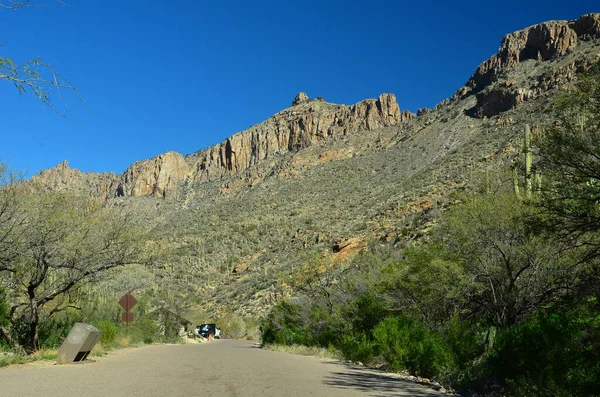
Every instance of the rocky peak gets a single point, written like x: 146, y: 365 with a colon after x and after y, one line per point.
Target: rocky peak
x: 300, y: 99
x: 159, y: 176
x: 60, y: 174
x: 63, y: 177
x: 544, y: 41
x: 294, y: 129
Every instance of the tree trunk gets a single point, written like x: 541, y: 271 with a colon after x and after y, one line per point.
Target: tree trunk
x: 4, y: 334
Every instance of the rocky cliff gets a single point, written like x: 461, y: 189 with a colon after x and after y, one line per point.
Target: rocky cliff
x: 293, y: 129
x: 497, y: 89
x: 542, y: 42
x: 63, y: 177
x: 159, y: 176
x: 529, y: 63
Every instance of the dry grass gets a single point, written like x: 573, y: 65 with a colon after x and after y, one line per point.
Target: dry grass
x: 123, y: 342
x: 312, y: 351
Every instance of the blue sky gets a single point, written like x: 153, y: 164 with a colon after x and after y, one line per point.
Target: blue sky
x: 160, y: 75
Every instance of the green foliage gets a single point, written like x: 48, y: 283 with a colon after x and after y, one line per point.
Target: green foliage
x: 368, y: 311
x: 286, y: 325
x: 53, y: 333
x: 4, y: 309
x: 554, y: 353
x: 235, y: 326
x: 509, y: 270
x: 569, y: 156
x: 58, y: 242
x: 142, y: 329
x: 358, y: 347
x: 408, y: 345
x: 427, y: 284
x: 109, y: 331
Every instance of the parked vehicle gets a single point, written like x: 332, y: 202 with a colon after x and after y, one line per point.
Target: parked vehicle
x: 208, y: 330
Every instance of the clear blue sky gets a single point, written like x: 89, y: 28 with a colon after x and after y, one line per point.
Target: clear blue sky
x: 160, y: 75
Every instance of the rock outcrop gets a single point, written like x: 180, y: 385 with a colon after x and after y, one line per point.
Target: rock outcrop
x: 291, y: 130
x: 159, y: 176
x: 300, y: 99
x: 294, y: 129
x: 63, y: 177
x: 500, y: 99
x: 542, y: 42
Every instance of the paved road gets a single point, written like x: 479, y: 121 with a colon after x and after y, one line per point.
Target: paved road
x: 220, y: 368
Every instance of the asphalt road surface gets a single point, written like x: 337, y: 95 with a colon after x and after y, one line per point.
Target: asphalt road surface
x: 219, y: 368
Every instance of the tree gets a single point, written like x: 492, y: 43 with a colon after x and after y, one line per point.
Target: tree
x: 59, y: 243
x: 510, y: 271
x: 9, y: 217
x: 569, y: 154
x: 35, y: 76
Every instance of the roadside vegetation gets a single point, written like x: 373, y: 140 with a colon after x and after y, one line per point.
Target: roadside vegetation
x: 504, y: 292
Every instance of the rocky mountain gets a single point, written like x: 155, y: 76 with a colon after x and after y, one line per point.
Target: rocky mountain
x: 313, y: 120
x: 291, y: 130
x: 318, y: 182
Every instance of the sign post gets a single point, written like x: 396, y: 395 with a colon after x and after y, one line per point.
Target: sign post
x: 127, y: 302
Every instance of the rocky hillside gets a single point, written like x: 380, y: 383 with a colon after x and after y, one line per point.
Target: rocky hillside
x: 307, y: 121
x: 313, y: 120
x: 316, y: 182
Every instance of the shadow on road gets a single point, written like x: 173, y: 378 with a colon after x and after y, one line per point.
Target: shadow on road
x: 368, y: 381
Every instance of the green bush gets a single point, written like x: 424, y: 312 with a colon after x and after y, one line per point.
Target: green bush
x: 408, y: 345
x: 285, y: 325
x: 369, y: 311
x: 53, y: 333
x: 466, y: 343
x: 358, y: 348
x: 108, y: 333
x: 143, y: 329
x: 554, y: 354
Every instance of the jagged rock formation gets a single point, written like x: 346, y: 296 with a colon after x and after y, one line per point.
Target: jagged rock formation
x: 300, y: 99
x: 158, y: 176
x: 542, y: 42
x: 62, y: 177
x: 294, y: 129
x: 290, y: 130
x: 309, y: 121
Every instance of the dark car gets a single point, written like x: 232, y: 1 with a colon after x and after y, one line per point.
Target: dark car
x: 206, y: 330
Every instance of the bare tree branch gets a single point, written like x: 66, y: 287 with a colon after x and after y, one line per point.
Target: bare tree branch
x: 37, y: 77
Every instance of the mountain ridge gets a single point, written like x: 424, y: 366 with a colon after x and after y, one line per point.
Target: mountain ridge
x: 309, y: 121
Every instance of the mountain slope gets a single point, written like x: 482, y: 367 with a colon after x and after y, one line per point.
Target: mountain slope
x: 314, y: 183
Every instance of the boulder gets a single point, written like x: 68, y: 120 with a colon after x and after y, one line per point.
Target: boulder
x: 300, y: 99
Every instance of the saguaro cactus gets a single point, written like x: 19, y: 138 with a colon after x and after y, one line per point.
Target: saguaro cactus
x: 528, y: 162
x: 529, y: 176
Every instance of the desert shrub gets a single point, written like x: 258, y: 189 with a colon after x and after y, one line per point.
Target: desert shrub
x: 552, y: 354
x: 123, y: 341
x: 286, y: 325
x: 358, y: 348
x: 408, y: 345
x: 4, y: 308
x: 465, y: 342
x: 53, y: 333
x: 237, y: 327
x: 108, y: 333
x: 368, y: 312
x: 143, y: 329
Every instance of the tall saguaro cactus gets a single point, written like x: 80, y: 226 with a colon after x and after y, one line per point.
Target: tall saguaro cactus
x: 529, y: 176
x: 528, y: 162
